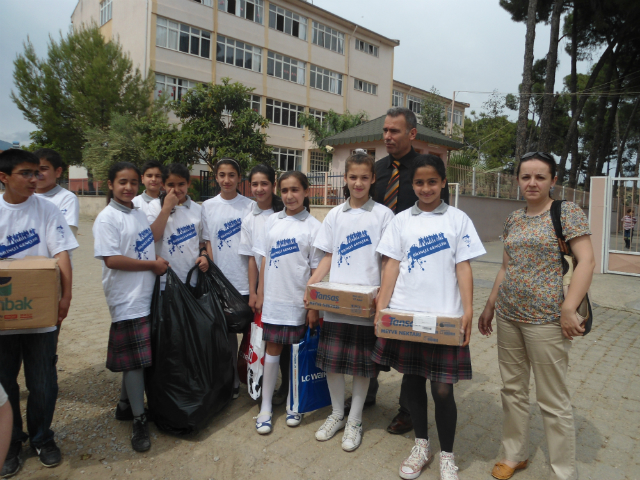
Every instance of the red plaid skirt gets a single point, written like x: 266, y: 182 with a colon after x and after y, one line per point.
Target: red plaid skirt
x: 346, y: 349
x: 437, y: 363
x: 129, y: 345
x: 283, y: 334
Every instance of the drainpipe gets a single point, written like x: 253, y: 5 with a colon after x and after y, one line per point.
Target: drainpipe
x: 146, y: 42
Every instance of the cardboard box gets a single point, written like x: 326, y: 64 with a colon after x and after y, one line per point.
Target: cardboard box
x: 29, y: 292
x: 420, y: 327
x: 353, y: 300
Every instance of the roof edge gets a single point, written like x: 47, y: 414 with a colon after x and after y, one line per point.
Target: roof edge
x: 462, y: 104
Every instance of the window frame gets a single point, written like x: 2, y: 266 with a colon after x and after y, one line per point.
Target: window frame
x: 106, y: 10
x: 417, y: 104
x: 397, y: 95
x: 281, y: 106
x: 288, y: 18
x: 328, y: 76
x: 179, y: 89
x: 365, y: 87
x: 368, y: 48
x: 284, y: 60
x: 180, y: 30
x: 256, y: 53
x: 324, y: 165
x: 318, y: 114
x: 257, y: 9
x: 318, y: 28
x: 277, y: 152
x: 456, y: 113
x: 206, y: 3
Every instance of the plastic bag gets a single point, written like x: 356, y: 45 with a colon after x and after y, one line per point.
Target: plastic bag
x: 255, y: 358
x: 191, y: 377
x: 243, y: 357
x: 308, y: 388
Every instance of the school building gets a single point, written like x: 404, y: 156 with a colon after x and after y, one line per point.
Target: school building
x: 297, y: 56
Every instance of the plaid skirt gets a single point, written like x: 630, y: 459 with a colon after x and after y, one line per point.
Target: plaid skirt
x: 345, y: 348
x: 283, y: 334
x: 129, y: 345
x: 437, y: 363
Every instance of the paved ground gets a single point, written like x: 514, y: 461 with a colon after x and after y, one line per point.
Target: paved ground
x: 604, y: 381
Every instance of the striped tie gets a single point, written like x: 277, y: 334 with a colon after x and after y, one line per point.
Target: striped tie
x: 391, y: 196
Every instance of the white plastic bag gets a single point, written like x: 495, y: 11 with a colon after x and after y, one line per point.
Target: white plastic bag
x: 255, y: 361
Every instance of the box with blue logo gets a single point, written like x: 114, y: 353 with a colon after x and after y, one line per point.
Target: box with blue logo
x: 420, y: 327
x: 353, y: 300
x: 29, y: 292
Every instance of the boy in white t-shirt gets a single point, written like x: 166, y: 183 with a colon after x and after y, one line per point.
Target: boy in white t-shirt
x: 32, y: 226
x: 51, y: 168
x: 152, y: 180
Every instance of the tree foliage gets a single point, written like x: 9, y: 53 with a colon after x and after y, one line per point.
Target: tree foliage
x: 432, y: 113
x: 333, y: 123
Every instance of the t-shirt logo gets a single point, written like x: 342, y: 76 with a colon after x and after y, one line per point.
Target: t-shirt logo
x: 467, y: 240
x: 230, y: 229
x: 60, y: 230
x: 354, y: 241
x: 426, y: 246
x: 177, y: 239
x: 19, y: 242
x: 63, y: 210
x: 283, y: 247
x: 145, y: 239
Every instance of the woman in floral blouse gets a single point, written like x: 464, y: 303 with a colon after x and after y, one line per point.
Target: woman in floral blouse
x: 535, y: 322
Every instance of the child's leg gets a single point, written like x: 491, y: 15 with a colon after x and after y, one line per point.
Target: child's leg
x: 269, y: 377
x: 336, y: 389
x: 133, y: 383
x: 416, y: 395
x: 233, y: 343
x: 446, y: 414
x: 359, y: 391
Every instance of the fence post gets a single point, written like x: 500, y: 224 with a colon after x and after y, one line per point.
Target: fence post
x: 498, y: 189
x: 574, y: 195
x: 326, y: 186
x: 518, y: 194
x: 473, y: 182
x: 582, y: 199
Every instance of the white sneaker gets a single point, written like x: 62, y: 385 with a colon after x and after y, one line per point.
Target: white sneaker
x: 420, y: 457
x: 352, y: 437
x: 448, y: 469
x: 332, y: 425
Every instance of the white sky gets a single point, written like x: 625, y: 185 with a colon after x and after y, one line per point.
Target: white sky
x: 462, y: 45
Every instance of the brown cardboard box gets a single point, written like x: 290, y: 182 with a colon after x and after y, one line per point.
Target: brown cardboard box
x: 420, y: 327
x: 354, y: 300
x: 29, y: 292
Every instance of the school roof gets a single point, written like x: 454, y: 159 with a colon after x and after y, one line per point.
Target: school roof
x: 5, y: 145
x: 371, y: 131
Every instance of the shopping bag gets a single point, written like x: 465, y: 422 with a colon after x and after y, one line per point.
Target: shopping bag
x: 191, y: 377
x: 243, y: 357
x: 308, y: 389
x: 255, y: 358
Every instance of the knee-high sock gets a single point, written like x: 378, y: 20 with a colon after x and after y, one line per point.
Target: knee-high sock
x: 269, y: 378
x: 233, y: 343
x: 285, y: 362
x: 359, y: 395
x: 336, y: 389
x: 133, y: 380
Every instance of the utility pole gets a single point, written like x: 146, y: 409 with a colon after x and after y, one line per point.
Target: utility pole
x: 453, y: 101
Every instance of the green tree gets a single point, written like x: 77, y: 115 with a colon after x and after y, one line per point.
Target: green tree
x: 432, y: 113
x: 80, y: 83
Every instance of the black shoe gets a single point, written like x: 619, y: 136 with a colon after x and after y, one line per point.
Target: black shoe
x: 12, y: 463
x: 124, y: 414
x: 140, y: 440
x: 368, y: 402
x: 50, y: 455
x: 280, y: 397
x: 236, y: 392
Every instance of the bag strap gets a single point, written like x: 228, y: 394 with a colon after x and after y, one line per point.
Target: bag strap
x: 556, y: 211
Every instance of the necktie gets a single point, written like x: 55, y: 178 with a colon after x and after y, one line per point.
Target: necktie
x: 391, y: 195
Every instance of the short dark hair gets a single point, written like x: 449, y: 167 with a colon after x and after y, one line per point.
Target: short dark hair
x: 177, y: 169
x: 429, y: 161
x: 304, y: 182
x: 152, y: 164
x: 267, y: 170
x: 227, y: 161
x: 113, y: 172
x: 10, y: 159
x: 50, y: 156
x: 409, y: 116
x: 543, y: 157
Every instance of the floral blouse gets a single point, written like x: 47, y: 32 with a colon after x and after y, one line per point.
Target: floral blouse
x: 532, y: 288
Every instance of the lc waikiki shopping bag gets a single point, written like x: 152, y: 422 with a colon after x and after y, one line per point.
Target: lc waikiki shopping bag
x: 308, y: 389
x: 255, y: 358
x: 243, y: 357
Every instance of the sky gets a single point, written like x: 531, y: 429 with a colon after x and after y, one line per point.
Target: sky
x: 461, y: 45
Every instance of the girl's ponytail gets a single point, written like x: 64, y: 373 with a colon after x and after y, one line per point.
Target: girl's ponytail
x: 307, y: 204
x: 276, y: 203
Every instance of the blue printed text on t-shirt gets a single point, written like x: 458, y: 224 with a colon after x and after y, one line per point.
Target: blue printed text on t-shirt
x: 230, y: 229
x: 354, y: 241
x: 19, y: 242
x: 426, y: 246
x: 145, y: 238
x: 283, y: 247
x: 183, y: 234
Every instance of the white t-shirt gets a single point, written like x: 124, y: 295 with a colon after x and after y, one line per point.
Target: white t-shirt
x: 180, y: 244
x: 119, y: 230
x: 142, y: 202
x: 429, y: 246
x: 352, y: 235
x: 253, y: 231
x: 221, y: 225
x: 287, y: 246
x: 33, y: 228
x: 3, y: 396
x: 67, y: 203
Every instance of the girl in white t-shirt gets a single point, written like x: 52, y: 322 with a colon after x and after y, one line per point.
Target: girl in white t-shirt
x: 428, y: 249
x: 349, y: 235
x: 221, y: 226
x: 176, y: 223
x: 289, y: 260
x: 124, y: 242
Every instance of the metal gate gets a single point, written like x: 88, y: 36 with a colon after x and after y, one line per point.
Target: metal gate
x: 621, y: 232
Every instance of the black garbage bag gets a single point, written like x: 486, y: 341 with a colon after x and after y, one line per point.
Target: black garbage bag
x: 237, y: 312
x: 191, y: 377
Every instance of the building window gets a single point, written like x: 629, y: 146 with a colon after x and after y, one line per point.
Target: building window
x: 398, y: 99
x: 287, y: 22
x: 174, y: 87
x: 458, y: 117
x: 366, y: 47
x: 287, y: 159
x: 239, y: 54
x: 105, y: 11
x: 317, y: 163
x: 326, y: 80
x: 255, y: 103
x: 327, y: 37
x: 284, y: 113
x: 250, y: 9
x: 414, y: 104
x: 206, y: 3
x: 183, y: 38
x: 286, y: 68
x: 317, y: 114
x: 365, y: 87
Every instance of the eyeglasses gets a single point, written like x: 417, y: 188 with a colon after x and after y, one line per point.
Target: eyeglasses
x: 544, y: 155
x: 29, y: 174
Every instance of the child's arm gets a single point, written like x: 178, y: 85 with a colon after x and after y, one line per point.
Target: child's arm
x: 66, y: 278
x: 253, y: 282
x: 313, y: 316
x: 202, y: 262
x: 121, y: 262
x: 209, y: 250
x: 158, y: 226
x: 486, y: 317
x: 465, y: 284
x: 319, y: 273
x: 260, y: 299
x: 390, y: 273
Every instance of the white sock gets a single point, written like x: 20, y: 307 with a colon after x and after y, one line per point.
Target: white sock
x: 359, y: 395
x: 336, y: 389
x: 269, y: 379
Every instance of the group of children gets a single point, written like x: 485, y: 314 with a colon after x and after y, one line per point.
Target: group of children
x: 270, y: 250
